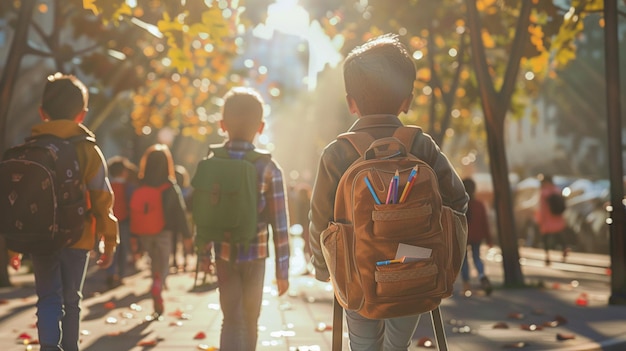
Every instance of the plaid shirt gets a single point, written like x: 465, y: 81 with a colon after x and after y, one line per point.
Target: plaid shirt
x: 272, y: 208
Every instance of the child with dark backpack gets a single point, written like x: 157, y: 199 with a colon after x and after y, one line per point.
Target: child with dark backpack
x: 79, y: 173
x: 120, y: 169
x: 238, y: 192
x: 157, y: 211
x: 379, y: 77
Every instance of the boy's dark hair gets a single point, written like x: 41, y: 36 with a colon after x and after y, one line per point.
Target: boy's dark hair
x: 64, y: 96
x: 242, y: 113
x: 379, y: 75
x: 117, y: 165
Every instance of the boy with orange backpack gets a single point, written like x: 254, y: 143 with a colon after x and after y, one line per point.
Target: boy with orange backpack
x: 353, y: 249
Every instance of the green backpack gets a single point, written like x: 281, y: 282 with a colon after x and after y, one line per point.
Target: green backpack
x: 225, y: 197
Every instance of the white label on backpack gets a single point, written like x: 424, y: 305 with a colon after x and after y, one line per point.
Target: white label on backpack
x: 411, y: 252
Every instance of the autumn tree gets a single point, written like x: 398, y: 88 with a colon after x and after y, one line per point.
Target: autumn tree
x: 168, y: 55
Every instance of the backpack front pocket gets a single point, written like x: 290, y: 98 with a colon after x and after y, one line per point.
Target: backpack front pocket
x: 405, y: 279
x: 397, y: 221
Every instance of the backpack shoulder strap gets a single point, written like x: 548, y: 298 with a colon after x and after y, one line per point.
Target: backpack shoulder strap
x: 406, y: 135
x: 361, y: 141
x: 218, y: 150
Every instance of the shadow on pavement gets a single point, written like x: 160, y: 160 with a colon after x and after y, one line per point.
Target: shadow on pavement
x: 124, y: 341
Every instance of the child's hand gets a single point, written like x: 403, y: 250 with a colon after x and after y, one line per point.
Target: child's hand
x: 16, y: 261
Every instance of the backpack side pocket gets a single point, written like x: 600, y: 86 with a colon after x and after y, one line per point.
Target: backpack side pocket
x: 337, y: 243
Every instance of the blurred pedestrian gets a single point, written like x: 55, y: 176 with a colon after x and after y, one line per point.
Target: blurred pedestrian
x: 551, y: 224
x: 120, y: 169
x: 477, y: 232
x: 183, y: 181
x: 157, y: 212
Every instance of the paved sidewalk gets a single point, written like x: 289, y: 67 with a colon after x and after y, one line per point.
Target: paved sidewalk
x: 571, y: 304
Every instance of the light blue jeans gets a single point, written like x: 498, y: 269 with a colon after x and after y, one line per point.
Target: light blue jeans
x: 393, y: 334
x: 59, y: 279
x: 478, y: 263
x: 241, y: 293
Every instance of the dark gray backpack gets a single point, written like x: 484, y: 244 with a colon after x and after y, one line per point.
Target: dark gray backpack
x: 42, y: 196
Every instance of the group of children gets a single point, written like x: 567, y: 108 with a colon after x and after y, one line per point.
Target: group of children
x: 379, y: 80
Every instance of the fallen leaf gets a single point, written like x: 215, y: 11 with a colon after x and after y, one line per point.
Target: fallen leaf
x: 205, y: 347
x: 560, y: 319
x: 582, y: 300
x: 531, y: 327
x: 561, y: 336
x: 24, y: 336
x: 109, y: 305
x: 199, y: 336
x: 147, y: 343
x: 425, y: 342
x: 500, y: 325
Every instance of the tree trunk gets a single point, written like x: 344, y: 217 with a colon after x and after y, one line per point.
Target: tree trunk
x: 19, y: 47
x: 495, y: 106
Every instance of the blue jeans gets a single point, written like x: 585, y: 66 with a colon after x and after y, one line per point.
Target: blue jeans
x: 120, y: 260
x: 59, y: 279
x: 241, y: 293
x: 478, y: 263
x: 393, y: 334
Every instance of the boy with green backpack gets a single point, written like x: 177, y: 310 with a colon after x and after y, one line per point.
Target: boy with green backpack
x: 238, y: 192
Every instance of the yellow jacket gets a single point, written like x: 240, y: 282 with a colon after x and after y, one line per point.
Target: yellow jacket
x: 101, y: 222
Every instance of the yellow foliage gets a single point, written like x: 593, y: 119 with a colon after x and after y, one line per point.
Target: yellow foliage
x: 460, y: 92
x: 424, y: 74
x: 482, y: 5
x: 488, y: 41
x: 440, y: 42
x: 91, y: 5
x: 536, y: 37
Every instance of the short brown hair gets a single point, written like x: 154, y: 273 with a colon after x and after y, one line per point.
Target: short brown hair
x: 242, y: 113
x: 64, y: 96
x: 379, y: 75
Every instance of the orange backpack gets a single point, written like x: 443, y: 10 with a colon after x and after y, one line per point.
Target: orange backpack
x: 146, y: 210
x: 363, y: 243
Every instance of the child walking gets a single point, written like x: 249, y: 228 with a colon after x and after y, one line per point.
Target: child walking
x: 477, y: 232
x: 156, y: 170
x: 59, y: 276
x: 378, y: 77
x: 240, y: 267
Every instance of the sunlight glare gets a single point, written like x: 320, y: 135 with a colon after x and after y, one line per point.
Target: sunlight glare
x: 288, y: 17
